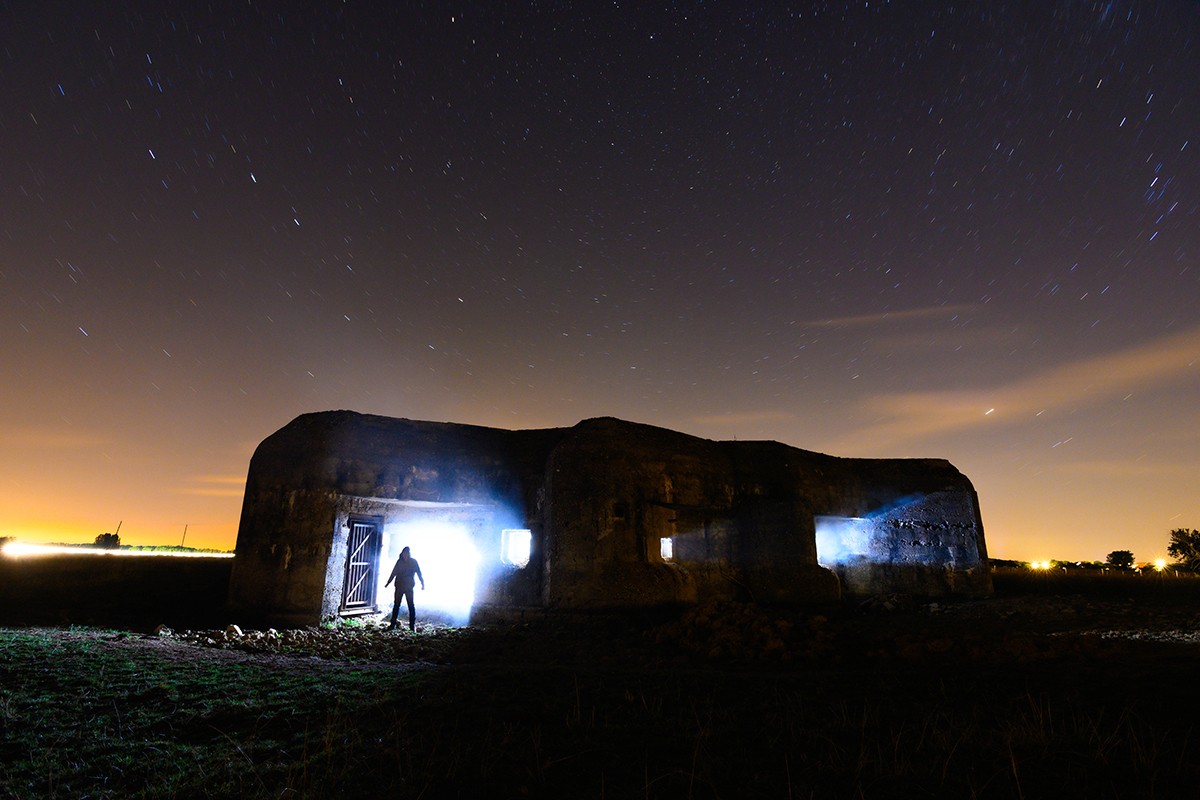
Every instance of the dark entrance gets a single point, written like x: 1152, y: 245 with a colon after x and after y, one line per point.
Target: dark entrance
x: 362, y: 566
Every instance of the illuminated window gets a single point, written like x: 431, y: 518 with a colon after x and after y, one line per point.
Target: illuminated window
x: 666, y: 549
x: 842, y: 539
x: 514, y: 546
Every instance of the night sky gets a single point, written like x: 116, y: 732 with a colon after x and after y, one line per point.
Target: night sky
x: 908, y: 229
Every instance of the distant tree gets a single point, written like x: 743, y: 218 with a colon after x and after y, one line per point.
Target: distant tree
x: 109, y: 541
x: 1185, y: 548
x: 1121, y: 559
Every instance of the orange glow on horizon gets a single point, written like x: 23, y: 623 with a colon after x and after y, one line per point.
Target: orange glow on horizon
x: 215, y: 536
x: 21, y: 549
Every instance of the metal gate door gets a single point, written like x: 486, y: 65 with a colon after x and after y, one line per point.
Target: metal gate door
x: 362, y: 566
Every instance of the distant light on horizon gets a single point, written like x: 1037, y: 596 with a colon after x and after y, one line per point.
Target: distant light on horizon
x: 19, y: 549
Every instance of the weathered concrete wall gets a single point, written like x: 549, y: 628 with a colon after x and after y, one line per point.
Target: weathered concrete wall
x: 282, y: 561
x: 925, y: 533
x: 291, y: 538
x: 606, y: 492
x: 618, y: 488
x: 599, y: 498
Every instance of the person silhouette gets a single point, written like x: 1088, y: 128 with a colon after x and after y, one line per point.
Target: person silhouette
x: 403, y: 574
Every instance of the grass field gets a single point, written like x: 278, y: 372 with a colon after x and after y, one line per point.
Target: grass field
x: 1082, y: 692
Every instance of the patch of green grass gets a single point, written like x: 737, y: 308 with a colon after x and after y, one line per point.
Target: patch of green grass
x: 514, y: 713
x: 78, y: 715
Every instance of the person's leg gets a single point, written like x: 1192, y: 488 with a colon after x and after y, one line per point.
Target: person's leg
x: 395, y: 611
x: 412, y: 610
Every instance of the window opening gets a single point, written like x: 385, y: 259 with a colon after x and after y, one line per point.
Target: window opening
x: 666, y: 548
x: 515, y: 545
x: 842, y: 539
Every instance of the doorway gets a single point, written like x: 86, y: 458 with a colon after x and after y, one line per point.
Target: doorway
x: 362, y: 566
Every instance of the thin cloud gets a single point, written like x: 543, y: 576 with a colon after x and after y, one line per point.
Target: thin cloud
x: 914, y: 415
x: 1132, y: 468
x: 238, y: 480
x: 216, y: 486
x: 202, y: 491
x: 744, y: 418
x: 862, y: 320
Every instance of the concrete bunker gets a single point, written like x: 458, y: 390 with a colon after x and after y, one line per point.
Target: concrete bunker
x: 604, y: 514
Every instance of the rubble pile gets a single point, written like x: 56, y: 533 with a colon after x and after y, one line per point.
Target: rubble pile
x: 369, y: 642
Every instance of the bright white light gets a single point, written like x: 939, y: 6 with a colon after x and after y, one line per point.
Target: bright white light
x: 514, y: 546
x: 1160, y: 564
x: 448, y: 561
x: 841, y: 538
x: 666, y: 548
x: 17, y: 549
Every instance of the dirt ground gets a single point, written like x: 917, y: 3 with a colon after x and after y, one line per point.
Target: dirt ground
x: 1016, y: 629
x: 1030, y: 693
